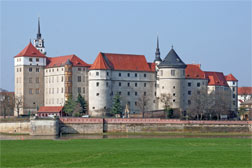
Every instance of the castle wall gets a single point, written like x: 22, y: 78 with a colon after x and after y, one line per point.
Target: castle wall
x: 54, y: 86
x: 173, y: 85
x: 134, y: 88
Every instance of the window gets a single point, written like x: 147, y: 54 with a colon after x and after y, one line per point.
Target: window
x: 135, y: 93
x: 106, y: 84
x: 30, y: 59
x: 97, y: 94
x: 57, y: 69
x: 17, y: 69
x: 233, y: 95
x: 79, y: 69
x: 62, y: 90
x: 37, y: 59
x: 144, y: 84
x: 30, y: 69
x: 161, y: 72
x: 172, y: 72
x: 145, y: 75
x: 107, y: 73
x: 97, y: 73
x: 128, y: 93
x: 233, y: 89
x: 135, y: 84
x: 174, y: 87
x: 30, y: 91
x: 155, y: 94
x: 119, y: 93
x: 129, y: 103
x: 234, y: 103
x: 37, y: 79
x: 83, y: 79
x: 79, y: 78
x: 93, y: 107
x: 120, y: 74
x: 30, y: 80
x: 198, y: 84
x: 135, y: 103
x: 189, y: 84
x: 20, y: 70
x: 62, y: 78
x: 189, y: 102
x: 135, y: 74
x: 49, y: 90
x: 79, y: 90
x: 57, y: 79
x: 144, y: 93
x: 174, y: 94
x: 97, y: 84
x: 189, y: 92
x: 174, y: 100
x: 120, y: 84
x: 128, y: 84
x: 52, y: 90
x: 37, y: 91
x: 233, y: 83
x: 128, y: 74
x: 83, y: 90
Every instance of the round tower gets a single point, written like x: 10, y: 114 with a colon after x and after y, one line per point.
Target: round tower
x: 100, y: 89
x: 171, y: 81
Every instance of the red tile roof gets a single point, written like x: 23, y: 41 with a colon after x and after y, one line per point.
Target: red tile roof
x: 152, y: 66
x: 122, y: 62
x: 30, y: 51
x: 216, y: 78
x: 60, y: 61
x: 245, y: 90
x: 230, y: 77
x: 52, y: 109
x: 193, y: 71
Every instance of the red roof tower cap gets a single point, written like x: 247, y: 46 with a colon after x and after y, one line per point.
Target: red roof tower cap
x: 30, y: 51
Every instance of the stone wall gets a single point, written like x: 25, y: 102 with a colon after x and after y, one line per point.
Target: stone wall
x: 44, y: 127
x: 81, y: 125
x: 15, y: 127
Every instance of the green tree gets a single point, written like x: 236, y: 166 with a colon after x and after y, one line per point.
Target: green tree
x: 116, y: 107
x: 69, y: 106
x: 82, y: 103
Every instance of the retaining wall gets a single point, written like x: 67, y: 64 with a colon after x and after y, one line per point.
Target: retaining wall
x: 81, y: 125
x: 44, y: 127
x: 15, y: 127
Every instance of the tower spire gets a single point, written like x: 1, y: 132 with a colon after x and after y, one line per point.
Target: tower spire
x: 38, y: 34
x: 157, y: 54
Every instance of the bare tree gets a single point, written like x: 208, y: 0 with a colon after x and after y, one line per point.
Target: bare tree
x: 222, y: 103
x: 200, y: 102
x: 7, y: 104
x: 165, y: 98
x: 142, y: 103
x: 18, y: 103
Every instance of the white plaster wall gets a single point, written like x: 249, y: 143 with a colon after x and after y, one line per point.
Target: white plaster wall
x: 25, y: 61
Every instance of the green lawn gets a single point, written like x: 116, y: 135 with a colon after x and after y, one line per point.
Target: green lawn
x: 106, y: 153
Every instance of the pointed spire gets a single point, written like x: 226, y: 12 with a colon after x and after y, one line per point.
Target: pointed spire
x: 157, y: 54
x: 38, y: 34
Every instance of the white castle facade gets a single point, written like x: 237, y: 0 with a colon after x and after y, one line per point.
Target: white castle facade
x: 49, y: 81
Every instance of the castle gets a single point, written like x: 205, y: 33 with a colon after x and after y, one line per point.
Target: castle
x: 42, y: 81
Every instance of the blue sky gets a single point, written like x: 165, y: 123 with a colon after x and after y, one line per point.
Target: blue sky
x: 215, y: 34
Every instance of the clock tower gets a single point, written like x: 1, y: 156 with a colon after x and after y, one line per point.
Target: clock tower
x: 39, y: 41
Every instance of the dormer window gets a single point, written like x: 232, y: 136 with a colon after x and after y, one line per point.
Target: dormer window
x: 30, y: 59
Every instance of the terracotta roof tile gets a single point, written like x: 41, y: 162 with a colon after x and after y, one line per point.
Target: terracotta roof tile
x: 245, y: 90
x: 230, y: 77
x: 193, y: 71
x: 52, y: 109
x: 60, y: 61
x: 122, y: 62
x: 30, y: 51
x: 216, y: 78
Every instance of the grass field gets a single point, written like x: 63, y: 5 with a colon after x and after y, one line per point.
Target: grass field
x: 105, y: 153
